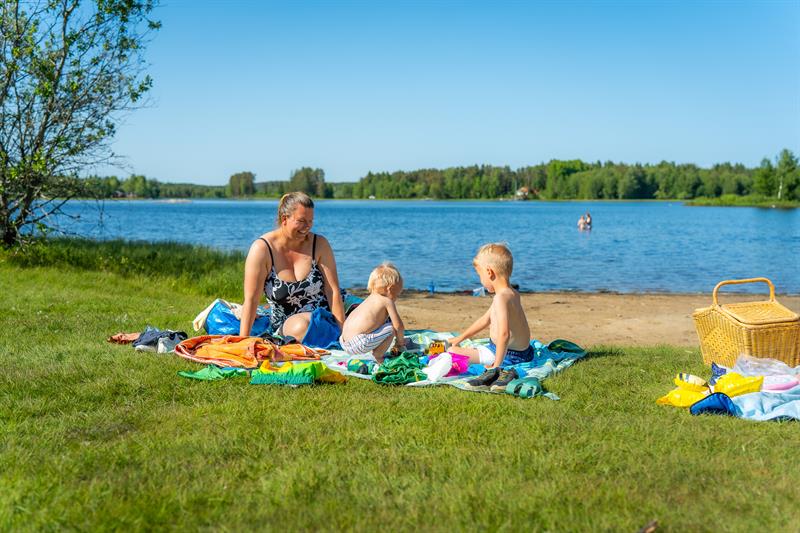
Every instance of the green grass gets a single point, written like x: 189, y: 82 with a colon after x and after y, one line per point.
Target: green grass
x: 97, y: 436
x: 734, y: 200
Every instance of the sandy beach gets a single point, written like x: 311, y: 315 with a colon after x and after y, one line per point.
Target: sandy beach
x: 585, y: 318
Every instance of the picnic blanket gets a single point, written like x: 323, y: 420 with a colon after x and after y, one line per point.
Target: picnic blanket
x: 549, y: 359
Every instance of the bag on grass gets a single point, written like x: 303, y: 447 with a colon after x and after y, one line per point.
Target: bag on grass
x: 223, y: 319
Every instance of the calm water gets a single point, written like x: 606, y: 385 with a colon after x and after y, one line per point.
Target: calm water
x: 634, y: 246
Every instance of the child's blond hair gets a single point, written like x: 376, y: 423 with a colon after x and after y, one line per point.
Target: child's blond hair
x: 384, y: 276
x: 497, y: 256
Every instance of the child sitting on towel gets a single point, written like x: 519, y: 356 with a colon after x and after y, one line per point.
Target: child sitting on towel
x: 508, y: 328
x: 372, y: 325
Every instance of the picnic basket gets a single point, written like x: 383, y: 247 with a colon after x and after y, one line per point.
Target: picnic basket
x: 759, y: 329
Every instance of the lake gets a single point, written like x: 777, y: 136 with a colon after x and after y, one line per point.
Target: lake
x: 634, y: 246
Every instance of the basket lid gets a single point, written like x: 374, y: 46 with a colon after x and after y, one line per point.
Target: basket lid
x: 756, y: 313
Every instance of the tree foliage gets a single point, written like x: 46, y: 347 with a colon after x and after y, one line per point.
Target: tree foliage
x: 242, y: 184
x: 555, y: 179
x: 68, y: 69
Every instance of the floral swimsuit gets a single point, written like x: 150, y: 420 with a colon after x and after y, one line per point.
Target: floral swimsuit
x: 287, y: 298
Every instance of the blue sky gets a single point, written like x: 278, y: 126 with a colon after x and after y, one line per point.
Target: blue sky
x: 357, y: 86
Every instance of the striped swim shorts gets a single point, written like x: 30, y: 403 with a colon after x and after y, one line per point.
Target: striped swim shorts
x: 364, y: 343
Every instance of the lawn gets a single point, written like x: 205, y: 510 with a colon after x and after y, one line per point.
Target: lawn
x: 97, y: 436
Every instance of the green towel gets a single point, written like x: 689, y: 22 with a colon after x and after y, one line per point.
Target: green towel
x: 400, y: 370
x: 213, y: 373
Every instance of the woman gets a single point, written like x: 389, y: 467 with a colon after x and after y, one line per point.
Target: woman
x: 296, y: 271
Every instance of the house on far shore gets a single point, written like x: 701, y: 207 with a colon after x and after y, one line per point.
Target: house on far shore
x: 522, y: 193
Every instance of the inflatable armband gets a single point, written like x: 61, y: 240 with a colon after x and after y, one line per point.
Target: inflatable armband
x: 681, y: 397
x: 733, y: 384
x: 690, y: 382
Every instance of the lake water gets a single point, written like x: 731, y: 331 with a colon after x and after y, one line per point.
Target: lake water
x: 634, y: 246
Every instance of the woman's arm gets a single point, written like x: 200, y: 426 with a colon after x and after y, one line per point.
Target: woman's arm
x: 327, y: 264
x: 255, y: 273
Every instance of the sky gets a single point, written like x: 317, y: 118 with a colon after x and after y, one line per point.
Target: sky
x: 359, y: 86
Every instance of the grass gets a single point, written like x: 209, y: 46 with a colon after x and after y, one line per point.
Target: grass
x: 753, y: 200
x: 97, y: 436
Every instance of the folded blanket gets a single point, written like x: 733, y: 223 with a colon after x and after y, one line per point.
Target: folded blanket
x: 304, y: 373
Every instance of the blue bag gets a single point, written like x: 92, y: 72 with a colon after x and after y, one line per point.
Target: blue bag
x: 222, y: 321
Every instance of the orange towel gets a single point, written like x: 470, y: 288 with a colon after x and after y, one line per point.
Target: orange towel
x: 243, y: 352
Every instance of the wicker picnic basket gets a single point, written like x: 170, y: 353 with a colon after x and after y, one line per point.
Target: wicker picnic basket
x: 759, y: 329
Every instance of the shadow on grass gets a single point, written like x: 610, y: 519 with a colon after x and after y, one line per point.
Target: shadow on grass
x: 603, y: 351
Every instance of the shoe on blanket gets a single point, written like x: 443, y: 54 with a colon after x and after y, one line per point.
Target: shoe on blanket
x: 506, y: 377
x: 484, y: 381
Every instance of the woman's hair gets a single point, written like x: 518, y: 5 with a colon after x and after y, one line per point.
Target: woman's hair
x: 290, y: 201
x: 384, y: 276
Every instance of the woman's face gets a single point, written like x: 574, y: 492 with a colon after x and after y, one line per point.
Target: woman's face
x: 299, y: 223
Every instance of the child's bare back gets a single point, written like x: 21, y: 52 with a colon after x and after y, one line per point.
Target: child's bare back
x: 373, y: 325
x: 368, y: 316
x: 519, y: 333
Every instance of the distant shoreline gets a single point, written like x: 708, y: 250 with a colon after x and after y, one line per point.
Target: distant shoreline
x: 689, y: 203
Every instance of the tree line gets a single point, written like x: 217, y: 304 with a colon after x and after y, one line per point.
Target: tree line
x: 554, y: 180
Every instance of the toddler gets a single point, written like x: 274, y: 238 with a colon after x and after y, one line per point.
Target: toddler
x: 372, y: 325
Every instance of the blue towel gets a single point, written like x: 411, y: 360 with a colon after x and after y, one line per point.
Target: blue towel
x: 754, y: 406
x: 323, y: 331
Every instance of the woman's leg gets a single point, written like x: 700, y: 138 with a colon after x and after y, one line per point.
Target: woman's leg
x: 296, y: 326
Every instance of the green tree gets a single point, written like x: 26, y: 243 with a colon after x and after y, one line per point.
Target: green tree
x: 68, y: 69
x: 786, y: 173
x: 242, y: 184
x: 764, y: 181
x: 309, y: 180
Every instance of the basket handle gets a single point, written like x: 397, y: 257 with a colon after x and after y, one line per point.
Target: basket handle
x: 740, y: 281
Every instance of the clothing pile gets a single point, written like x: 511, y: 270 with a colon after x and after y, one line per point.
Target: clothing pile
x: 242, y: 352
x: 151, y: 339
x: 753, y: 389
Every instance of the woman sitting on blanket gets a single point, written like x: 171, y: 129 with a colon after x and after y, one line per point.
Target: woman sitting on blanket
x: 296, y: 271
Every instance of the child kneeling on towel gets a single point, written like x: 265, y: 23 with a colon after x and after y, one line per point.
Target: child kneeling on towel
x: 370, y: 328
x: 508, y: 327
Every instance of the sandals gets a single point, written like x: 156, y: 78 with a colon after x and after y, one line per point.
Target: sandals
x: 524, y: 387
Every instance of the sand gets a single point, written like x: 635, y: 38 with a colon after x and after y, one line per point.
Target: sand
x: 585, y: 318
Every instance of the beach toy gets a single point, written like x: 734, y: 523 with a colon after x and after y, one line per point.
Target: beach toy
x: 681, y: 397
x: 436, y: 347
x: 690, y: 382
x: 733, y: 384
